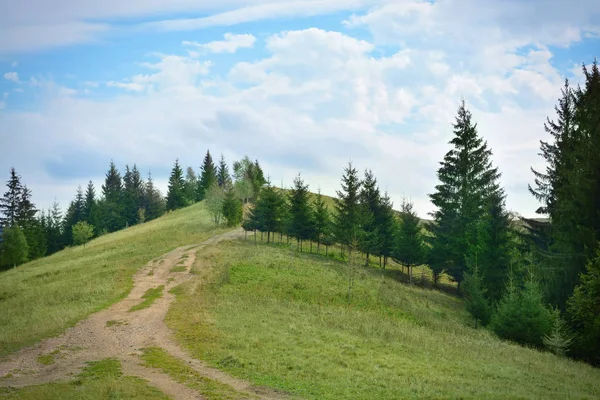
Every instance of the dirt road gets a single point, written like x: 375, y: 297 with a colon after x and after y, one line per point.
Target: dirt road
x: 117, y: 333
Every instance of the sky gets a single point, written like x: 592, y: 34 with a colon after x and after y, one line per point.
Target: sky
x: 304, y: 86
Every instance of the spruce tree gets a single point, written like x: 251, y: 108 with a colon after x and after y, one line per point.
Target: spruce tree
x: 223, y: 177
x: 322, y: 220
x: 233, y: 208
x: 208, y: 175
x: 75, y: 214
x: 347, y: 218
x: 467, y: 180
x: 476, y: 301
x: 387, y: 225
x: 409, y: 248
x: 175, y: 194
x: 90, y: 206
x: 111, y: 206
x: 9, y: 204
x: 301, y: 223
x: 153, y: 201
x: 266, y: 214
x: 54, y: 229
x: 370, y: 205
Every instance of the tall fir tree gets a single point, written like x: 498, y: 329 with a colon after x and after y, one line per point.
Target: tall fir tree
x: 232, y: 207
x: 54, y: 229
x: 175, y: 194
x: 223, y: 176
x: 111, y: 206
x: 9, y: 204
x: 387, y: 225
x: 322, y: 218
x: 75, y: 213
x: 266, y: 214
x: 409, y: 249
x: 301, y: 224
x: 153, y: 201
x: 347, y: 206
x: 208, y: 175
x: 370, y: 207
x: 90, y: 207
x: 467, y: 180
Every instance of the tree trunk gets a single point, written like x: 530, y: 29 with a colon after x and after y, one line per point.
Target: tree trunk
x: 326, y: 249
x: 300, y: 246
x: 255, y: 236
x: 385, y: 259
x: 367, y: 260
x: 310, y: 247
x: 318, y: 247
x: 380, y: 261
x: 409, y: 273
x: 245, y: 235
x: 268, y: 236
x: 261, y: 235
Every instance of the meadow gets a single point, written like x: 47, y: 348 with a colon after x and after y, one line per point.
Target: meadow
x: 44, y: 297
x: 289, y: 321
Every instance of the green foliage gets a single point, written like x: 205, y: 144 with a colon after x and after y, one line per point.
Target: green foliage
x: 111, y: 206
x: 133, y: 193
x: 82, y: 233
x: 15, y: 250
x: 10, y: 203
x: 322, y: 219
x: 208, y: 176
x: 301, y: 221
x: 233, y: 208
x: 347, y: 205
x: 475, y: 296
x: 370, y: 203
x: 387, y: 226
x: 559, y: 340
x: 266, y: 216
x: 153, y: 201
x: 191, y: 187
x: 584, y: 311
x: 175, y: 194
x: 214, y: 201
x: 223, y: 176
x: 90, y: 206
x: 521, y: 315
x: 409, y: 248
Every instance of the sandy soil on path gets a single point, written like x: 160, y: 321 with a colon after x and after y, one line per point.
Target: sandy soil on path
x: 95, y: 338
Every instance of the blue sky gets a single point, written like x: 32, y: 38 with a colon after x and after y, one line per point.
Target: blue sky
x: 304, y: 86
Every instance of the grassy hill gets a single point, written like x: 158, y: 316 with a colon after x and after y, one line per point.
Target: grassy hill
x: 281, y: 319
x: 44, y: 297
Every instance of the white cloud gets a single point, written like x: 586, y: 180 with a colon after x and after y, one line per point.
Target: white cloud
x: 2, y: 105
x: 231, y: 44
x: 12, y: 76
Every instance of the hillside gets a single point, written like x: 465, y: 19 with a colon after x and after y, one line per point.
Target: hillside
x: 256, y: 315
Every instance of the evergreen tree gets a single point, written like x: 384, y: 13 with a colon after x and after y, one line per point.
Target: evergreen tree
x: 153, y: 201
x: 111, y: 207
x: 387, y: 225
x: 347, y: 218
x: 322, y: 220
x: 133, y: 192
x: 232, y: 208
x: 208, y: 176
x: 75, y: 214
x: 584, y: 310
x: 54, y: 229
x: 370, y: 204
x: 301, y: 224
x: 475, y: 296
x: 409, y: 239
x: 82, y: 233
x: 191, y: 186
x: 467, y: 180
x: 266, y: 214
x: 175, y: 199
x: 14, y: 246
x: 35, y: 234
x: 249, y: 178
x: 90, y: 206
x: 9, y: 204
x: 223, y: 177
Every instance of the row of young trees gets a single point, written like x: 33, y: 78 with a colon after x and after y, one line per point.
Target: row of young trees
x: 125, y: 200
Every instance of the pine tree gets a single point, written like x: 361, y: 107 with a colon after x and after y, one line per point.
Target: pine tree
x: 467, y: 180
x: 191, y: 186
x: 75, y: 214
x: 133, y: 192
x: 223, y: 177
x: 347, y: 218
x: 90, y: 206
x: 175, y: 199
x: 266, y: 215
x: 475, y: 296
x: 111, y: 207
x: 370, y: 204
x: 54, y: 229
x: 232, y: 208
x: 322, y: 220
x: 208, y: 176
x: 409, y: 248
x: 387, y: 225
x: 301, y: 219
x: 14, y: 246
x: 153, y: 201
x: 9, y: 204
x: 584, y: 311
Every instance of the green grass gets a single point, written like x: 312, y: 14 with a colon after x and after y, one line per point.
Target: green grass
x: 284, y: 320
x: 155, y: 357
x: 101, y: 380
x: 44, y: 297
x: 48, y: 359
x: 149, y: 297
x: 178, y: 268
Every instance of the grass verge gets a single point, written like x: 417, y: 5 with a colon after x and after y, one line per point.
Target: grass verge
x: 155, y: 357
x: 101, y: 380
x: 44, y: 297
x: 285, y: 320
x: 149, y: 297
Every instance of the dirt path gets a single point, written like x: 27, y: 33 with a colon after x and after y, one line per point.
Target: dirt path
x: 118, y: 333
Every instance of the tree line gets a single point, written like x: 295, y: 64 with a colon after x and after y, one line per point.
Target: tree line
x: 125, y: 200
